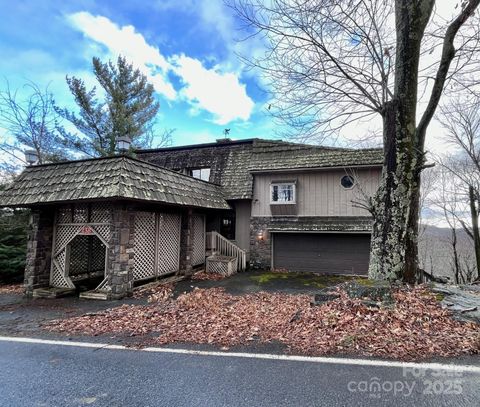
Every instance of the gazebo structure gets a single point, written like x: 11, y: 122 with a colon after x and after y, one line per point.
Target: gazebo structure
x: 106, y: 223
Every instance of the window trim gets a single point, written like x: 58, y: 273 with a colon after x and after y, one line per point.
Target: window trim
x: 276, y: 183
x: 354, y: 181
x: 200, y: 169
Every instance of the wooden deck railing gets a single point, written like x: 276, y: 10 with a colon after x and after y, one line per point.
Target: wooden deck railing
x: 224, y: 247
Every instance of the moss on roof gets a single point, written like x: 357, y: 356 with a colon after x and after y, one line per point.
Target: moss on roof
x: 278, y: 155
x: 128, y: 178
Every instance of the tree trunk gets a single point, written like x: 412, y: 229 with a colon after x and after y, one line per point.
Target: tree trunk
x: 455, y: 256
x: 394, y: 247
x: 475, y: 232
x: 395, y: 207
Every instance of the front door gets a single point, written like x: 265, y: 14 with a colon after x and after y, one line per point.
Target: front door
x: 227, y: 227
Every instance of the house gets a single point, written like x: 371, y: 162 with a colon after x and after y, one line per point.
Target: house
x: 110, y: 222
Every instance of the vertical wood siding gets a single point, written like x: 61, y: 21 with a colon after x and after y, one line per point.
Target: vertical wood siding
x: 319, y: 193
x: 242, y: 224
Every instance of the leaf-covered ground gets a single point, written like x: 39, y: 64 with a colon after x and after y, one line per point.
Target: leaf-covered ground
x: 415, y: 328
x: 11, y: 289
x: 203, y: 276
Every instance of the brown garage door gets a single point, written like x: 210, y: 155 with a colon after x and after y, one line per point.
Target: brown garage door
x: 332, y: 253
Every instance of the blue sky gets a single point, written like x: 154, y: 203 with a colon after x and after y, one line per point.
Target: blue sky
x: 186, y: 48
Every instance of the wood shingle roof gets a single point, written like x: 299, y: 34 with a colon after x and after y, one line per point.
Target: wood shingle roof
x: 272, y: 155
x: 110, y: 178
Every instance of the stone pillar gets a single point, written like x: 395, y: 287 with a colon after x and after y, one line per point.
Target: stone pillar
x: 120, y: 259
x: 39, y: 249
x: 260, y: 243
x: 186, y: 243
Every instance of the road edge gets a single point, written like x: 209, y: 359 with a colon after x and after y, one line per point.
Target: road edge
x: 245, y: 355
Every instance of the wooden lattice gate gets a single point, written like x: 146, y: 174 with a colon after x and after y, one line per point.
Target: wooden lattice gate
x: 157, y: 244
x: 198, y: 256
x: 85, y: 221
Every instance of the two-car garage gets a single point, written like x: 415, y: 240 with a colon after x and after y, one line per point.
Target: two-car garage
x: 330, y: 253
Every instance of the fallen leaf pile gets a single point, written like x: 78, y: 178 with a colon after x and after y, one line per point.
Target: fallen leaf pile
x: 204, y: 276
x: 161, y: 293
x: 11, y: 289
x: 155, y: 293
x: 416, y: 327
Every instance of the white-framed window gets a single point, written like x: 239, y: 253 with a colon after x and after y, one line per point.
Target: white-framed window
x: 201, y: 173
x: 283, y: 193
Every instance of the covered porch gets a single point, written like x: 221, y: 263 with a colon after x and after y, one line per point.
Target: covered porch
x: 100, y: 226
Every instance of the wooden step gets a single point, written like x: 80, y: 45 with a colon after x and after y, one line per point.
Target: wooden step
x: 94, y: 295
x: 53, y: 292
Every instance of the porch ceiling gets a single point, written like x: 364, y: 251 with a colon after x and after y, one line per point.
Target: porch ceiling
x: 109, y: 178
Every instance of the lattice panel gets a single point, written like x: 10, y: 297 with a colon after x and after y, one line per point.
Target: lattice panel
x: 79, y: 253
x: 85, y: 254
x: 217, y: 267
x: 100, y: 213
x: 63, y: 235
x: 57, y: 274
x: 80, y: 213
x: 168, y: 243
x: 145, y: 234
x: 97, y: 255
x: 86, y: 257
x: 64, y: 214
x: 223, y: 267
x: 198, y: 256
x: 104, y: 231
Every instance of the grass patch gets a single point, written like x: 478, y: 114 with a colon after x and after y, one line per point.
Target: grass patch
x: 269, y: 276
x: 302, y: 279
x: 365, y: 281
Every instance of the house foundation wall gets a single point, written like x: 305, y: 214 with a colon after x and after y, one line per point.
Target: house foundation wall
x: 39, y: 249
x: 121, y: 253
x: 260, y: 243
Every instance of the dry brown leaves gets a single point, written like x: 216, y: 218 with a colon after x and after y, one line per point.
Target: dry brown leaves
x: 155, y: 293
x: 204, y: 276
x: 11, y: 289
x: 417, y: 327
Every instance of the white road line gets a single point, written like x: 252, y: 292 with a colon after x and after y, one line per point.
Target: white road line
x: 267, y: 356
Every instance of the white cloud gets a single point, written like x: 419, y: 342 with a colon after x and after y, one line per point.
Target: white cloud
x: 222, y: 94
x: 129, y: 43
x: 213, y: 90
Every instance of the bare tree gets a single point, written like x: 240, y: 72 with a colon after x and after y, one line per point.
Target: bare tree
x: 461, y: 120
x: 153, y: 140
x: 446, y: 200
x: 30, y: 122
x: 334, y: 62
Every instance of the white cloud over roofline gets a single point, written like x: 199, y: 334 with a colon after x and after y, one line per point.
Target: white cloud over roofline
x: 219, y: 93
x: 211, y: 90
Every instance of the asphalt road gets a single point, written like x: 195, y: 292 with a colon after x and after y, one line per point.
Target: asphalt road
x: 54, y: 375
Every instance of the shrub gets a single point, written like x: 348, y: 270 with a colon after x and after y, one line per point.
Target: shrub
x: 13, y: 244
